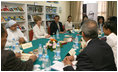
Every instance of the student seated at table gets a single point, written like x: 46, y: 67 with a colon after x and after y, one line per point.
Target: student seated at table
x: 100, y: 23
x: 56, y: 25
x: 38, y: 30
x: 111, y: 39
x: 96, y: 56
x: 9, y: 61
x: 84, y: 19
x: 14, y: 33
x: 68, y: 24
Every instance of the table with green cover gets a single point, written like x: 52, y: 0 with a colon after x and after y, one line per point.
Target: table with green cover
x: 63, y: 51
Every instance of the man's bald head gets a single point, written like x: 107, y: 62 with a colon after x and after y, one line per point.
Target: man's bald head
x: 90, y: 29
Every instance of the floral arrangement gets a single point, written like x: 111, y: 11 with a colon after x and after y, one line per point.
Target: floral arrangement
x: 51, y: 44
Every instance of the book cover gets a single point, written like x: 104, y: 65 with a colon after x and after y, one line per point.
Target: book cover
x: 20, y: 8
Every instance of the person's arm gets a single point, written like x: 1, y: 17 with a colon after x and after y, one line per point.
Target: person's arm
x: 22, y: 35
x: 61, y: 27
x: 45, y: 34
x: 15, y: 64
x: 83, y: 64
x: 51, y: 28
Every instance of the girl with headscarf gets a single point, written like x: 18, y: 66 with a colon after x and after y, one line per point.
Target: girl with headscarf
x: 14, y: 33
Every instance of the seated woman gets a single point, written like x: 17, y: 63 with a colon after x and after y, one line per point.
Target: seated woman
x: 84, y: 19
x: 38, y: 30
x: 100, y: 23
x: 14, y: 33
x: 111, y: 39
x: 68, y: 24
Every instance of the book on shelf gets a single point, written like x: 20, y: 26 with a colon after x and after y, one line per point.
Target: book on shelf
x: 15, y: 9
x: 51, y: 9
x: 38, y: 9
x: 2, y: 19
x: 20, y: 8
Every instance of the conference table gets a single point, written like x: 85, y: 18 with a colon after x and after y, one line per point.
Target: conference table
x: 63, y: 51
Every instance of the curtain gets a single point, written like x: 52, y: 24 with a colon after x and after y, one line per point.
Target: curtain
x: 76, y: 10
x: 111, y: 8
x: 102, y: 9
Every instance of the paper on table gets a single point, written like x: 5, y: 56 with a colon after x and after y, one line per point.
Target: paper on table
x: 68, y: 39
x: 26, y: 45
x: 25, y: 57
x: 72, y: 52
x: 58, y: 66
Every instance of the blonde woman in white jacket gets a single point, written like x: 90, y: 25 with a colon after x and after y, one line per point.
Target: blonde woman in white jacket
x: 38, y: 30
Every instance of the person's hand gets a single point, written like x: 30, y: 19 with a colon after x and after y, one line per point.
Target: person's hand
x: 33, y: 57
x: 47, y: 36
x: 70, y: 58
x: 66, y: 61
x: 62, y: 32
x: 18, y: 55
x: 21, y: 40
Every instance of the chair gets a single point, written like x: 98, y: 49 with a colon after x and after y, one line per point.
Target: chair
x: 63, y: 27
x: 48, y: 30
x: 30, y: 35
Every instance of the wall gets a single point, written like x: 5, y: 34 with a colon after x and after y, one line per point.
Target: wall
x: 65, y: 7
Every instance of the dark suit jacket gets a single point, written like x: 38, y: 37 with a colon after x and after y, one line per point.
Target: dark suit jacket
x: 9, y: 62
x: 97, y: 56
x: 54, y: 27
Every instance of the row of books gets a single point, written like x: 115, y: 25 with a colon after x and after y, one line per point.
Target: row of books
x: 33, y: 9
x: 12, y: 9
x: 7, y: 18
x: 51, y: 9
x: 50, y: 16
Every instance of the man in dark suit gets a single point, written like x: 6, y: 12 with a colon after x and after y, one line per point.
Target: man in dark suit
x: 9, y: 60
x: 56, y: 25
x: 97, y: 56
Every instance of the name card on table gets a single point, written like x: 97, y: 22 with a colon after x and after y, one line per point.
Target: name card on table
x: 68, y: 39
x: 26, y: 45
x: 72, y: 52
x: 25, y: 57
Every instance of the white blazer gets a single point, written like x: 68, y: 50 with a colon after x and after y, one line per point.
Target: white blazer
x: 38, y: 32
x: 112, y: 41
x: 14, y: 34
x: 68, y: 25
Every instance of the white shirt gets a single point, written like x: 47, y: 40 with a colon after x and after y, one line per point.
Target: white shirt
x: 14, y: 34
x: 112, y: 41
x: 38, y: 32
x: 58, y: 26
x: 68, y: 25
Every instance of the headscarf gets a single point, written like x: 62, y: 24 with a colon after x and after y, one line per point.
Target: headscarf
x: 10, y: 23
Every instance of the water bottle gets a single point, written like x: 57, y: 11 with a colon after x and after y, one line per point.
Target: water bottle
x: 47, y: 63
x: 76, y: 42
x: 58, y: 51
x: 53, y: 35
x: 57, y: 34
x: 13, y: 48
x: 13, y: 42
x: 17, y: 48
x: 73, y: 29
x: 40, y: 51
x: 45, y: 50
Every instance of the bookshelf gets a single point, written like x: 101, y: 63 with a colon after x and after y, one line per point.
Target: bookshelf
x: 51, y: 11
